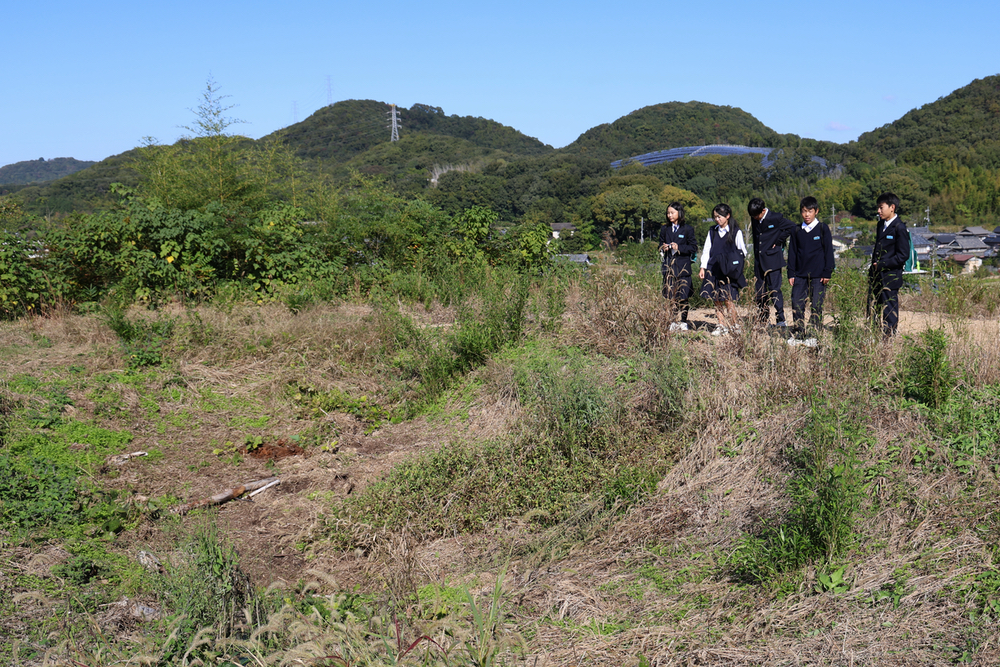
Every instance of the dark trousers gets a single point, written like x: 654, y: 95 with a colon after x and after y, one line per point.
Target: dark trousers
x: 814, y: 290
x: 767, y: 291
x: 883, y: 299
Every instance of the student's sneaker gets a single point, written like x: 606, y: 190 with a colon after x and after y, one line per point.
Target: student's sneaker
x: 720, y: 331
x: 807, y: 342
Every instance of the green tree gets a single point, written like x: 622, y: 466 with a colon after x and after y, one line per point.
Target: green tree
x: 625, y: 209
x: 212, y: 166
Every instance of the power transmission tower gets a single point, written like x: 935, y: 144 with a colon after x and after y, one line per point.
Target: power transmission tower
x: 395, y: 123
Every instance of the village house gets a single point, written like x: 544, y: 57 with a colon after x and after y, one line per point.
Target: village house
x: 562, y: 228
x: 967, y: 244
x: 968, y: 263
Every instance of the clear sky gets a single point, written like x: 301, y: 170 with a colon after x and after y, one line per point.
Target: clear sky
x: 90, y: 80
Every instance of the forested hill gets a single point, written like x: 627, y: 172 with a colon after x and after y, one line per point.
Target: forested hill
x: 945, y: 155
x: 963, y: 126
x: 40, y: 170
x: 346, y: 129
x: 671, y: 125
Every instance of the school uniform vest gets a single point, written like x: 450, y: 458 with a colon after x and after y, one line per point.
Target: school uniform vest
x: 720, y: 248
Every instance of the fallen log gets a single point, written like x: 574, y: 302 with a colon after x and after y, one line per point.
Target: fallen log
x: 223, y: 496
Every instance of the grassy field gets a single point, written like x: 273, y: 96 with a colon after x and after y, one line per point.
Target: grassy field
x: 538, y: 473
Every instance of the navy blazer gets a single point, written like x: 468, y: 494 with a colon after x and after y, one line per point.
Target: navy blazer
x: 892, y: 249
x: 686, y: 246
x: 769, y: 236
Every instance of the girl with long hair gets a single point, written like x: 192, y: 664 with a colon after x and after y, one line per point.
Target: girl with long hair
x: 722, y: 268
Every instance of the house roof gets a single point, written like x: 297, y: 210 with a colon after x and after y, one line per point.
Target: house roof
x: 560, y: 226
x: 923, y: 231
x: 943, y: 238
x: 968, y: 243
x: 962, y: 259
x: 975, y: 231
x: 918, y: 239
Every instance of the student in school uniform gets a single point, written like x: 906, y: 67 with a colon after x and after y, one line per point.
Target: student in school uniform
x: 810, y: 265
x: 678, y: 246
x: 770, y: 230
x: 722, y: 268
x: 885, y: 275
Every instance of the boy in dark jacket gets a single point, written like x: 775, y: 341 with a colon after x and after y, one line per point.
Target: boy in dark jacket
x: 885, y: 275
x: 770, y: 230
x: 678, y: 246
x: 810, y: 265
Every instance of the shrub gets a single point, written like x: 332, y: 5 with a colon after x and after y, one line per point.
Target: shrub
x: 27, y: 281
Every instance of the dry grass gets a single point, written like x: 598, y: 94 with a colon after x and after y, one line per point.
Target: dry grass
x: 604, y: 586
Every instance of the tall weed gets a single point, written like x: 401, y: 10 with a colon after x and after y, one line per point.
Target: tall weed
x: 626, y: 311
x: 825, y: 492
x: 926, y: 372
x: 573, y: 410
x: 143, y: 340
x: 488, y: 320
x: 967, y: 296
x: 210, y: 596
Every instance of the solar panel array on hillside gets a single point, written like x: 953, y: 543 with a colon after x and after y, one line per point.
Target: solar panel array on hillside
x: 671, y: 154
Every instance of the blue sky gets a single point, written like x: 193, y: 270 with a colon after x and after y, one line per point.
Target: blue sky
x: 90, y: 80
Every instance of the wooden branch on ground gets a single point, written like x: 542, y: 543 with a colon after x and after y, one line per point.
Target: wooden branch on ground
x: 224, y: 496
x: 122, y: 458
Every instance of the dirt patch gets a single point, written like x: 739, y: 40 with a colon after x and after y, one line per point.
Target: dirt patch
x: 281, y: 449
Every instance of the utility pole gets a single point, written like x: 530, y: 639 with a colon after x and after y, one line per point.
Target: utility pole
x: 393, y: 114
x: 833, y: 218
x: 927, y: 219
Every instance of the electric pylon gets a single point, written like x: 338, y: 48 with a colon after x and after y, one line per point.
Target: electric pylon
x: 393, y: 114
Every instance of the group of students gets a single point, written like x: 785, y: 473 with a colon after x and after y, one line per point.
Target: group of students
x: 810, y: 264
